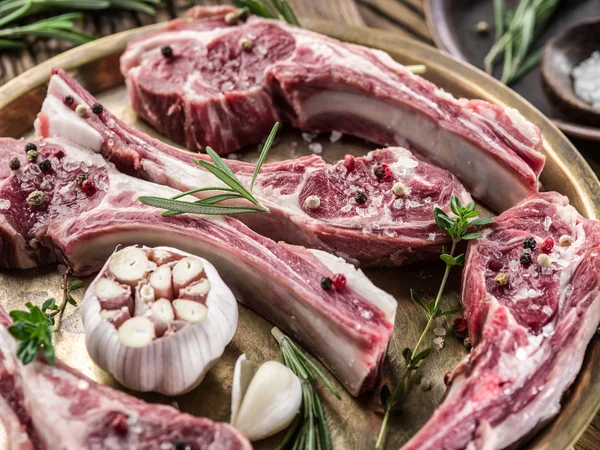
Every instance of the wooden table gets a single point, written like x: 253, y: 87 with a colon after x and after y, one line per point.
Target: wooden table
x: 400, y: 16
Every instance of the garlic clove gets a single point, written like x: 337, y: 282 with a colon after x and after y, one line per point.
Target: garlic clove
x: 129, y: 265
x: 160, y: 280
x: 185, y: 272
x: 146, y: 294
x: 190, y: 311
x: 163, y: 310
x: 161, y: 257
x: 116, y: 316
x: 137, y: 332
x: 271, y: 401
x: 242, y: 376
x: 111, y: 294
x: 197, y: 291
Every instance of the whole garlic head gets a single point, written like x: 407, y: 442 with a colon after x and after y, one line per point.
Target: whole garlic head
x: 143, y: 326
x: 264, y: 401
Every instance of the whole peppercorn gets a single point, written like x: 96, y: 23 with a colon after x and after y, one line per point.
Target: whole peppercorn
x: 81, y: 177
x: 36, y: 198
x: 525, y: 259
x: 14, y: 163
x: 246, y: 44
x: 167, y: 51
x: 339, y: 281
x: 119, y: 424
x: 501, y: 278
x: 57, y: 153
x: 379, y: 172
x: 68, y: 100
x: 45, y: 165
x: 32, y: 155
x: 360, y: 197
x: 88, y: 187
x: 326, y: 283
x: 529, y: 243
x: 383, y: 172
x: 180, y: 444
x: 30, y: 146
x: 547, y: 245
x: 97, y: 108
x: 565, y: 240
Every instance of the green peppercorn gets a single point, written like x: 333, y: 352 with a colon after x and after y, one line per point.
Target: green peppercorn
x: 80, y: 178
x: 32, y: 155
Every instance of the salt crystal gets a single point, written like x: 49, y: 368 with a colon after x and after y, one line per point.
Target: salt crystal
x: 425, y: 384
x: 4, y: 204
x: 547, y: 310
x: 83, y: 385
x: 521, y: 354
x: 308, y: 137
x: 227, y: 86
x: 315, y: 147
x: 547, y: 223
x: 84, y: 167
x: 166, y: 446
x: 346, y: 208
x: 412, y: 204
x: 439, y: 331
x: 547, y: 271
x: 377, y: 200
x: 33, y: 169
x: 513, y: 265
x: 366, y: 314
x: 427, y: 199
x: 586, y: 80
x: 398, y: 203
x: 532, y: 293
x: 432, y: 236
x: 438, y: 343
x: 335, y: 136
x: 45, y: 185
x: 548, y: 330
x: 69, y: 166
x: 527, y: 250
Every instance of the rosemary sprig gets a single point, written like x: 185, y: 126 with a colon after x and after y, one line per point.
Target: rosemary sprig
x: 34, y: 328
x: 515, y: 33
x: 271, y: 9
x: 459, y: 230
x: 59, y: 27
x: 210, y: 205
x: 309, y: 430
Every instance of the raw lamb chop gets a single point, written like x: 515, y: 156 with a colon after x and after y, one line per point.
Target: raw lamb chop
x: 211, y: 91
x: 348, y: 327
x: 87, y: 416
x: 394, y: 225
x: 531, y: 293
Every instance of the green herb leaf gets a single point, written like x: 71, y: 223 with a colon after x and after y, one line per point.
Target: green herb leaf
x: 416, y: 300
x: 74, y: 285
x: 33, y: 330
x: 263, y: 154
x: 471, y: 236
x: 481, y: 221
x: 385, y: 396
x: 421, y: 356
x: 449, y: 312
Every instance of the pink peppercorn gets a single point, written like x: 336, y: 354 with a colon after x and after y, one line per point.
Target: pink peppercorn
x: 119, y: 424
x: 349, y: 163
x: 387, y: 172
x: 58, y: 154
x: 339, y: 281
x: 88, y: 187
x: 547, y: 245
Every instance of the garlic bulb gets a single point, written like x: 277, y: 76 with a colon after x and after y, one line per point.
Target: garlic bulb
x: 158, y: 319
x: 263, y: 401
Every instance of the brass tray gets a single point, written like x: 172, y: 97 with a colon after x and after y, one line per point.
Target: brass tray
x: 353, y: 422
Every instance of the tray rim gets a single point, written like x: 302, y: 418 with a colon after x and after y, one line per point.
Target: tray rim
x: 556, y: 143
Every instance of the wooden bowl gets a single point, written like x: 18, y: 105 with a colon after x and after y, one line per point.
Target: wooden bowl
x: 561, y: 55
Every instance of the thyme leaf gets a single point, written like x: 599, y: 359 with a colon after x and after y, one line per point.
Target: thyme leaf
x: 459, y: 229
x: 211, y: 205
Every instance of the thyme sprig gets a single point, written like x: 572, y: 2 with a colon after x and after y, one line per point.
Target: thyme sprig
x: 309, y: 430
x: 62, y: 26
x: 211, y: 205
x: 459, y: 229
x: 270, y: 9
x: 515, y: 33
x: 34, y: 328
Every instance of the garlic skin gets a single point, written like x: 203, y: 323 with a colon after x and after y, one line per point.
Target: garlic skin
x: 264, y: 401
x: 175, y: 358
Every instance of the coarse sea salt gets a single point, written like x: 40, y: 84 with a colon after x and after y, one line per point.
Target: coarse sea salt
x: 335, y: 136
x: 586, y: 80
x: 316, y: 148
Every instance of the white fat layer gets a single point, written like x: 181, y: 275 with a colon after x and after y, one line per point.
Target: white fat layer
x: 65, y: 122
x: 360, y: 284
x: 488, y: 179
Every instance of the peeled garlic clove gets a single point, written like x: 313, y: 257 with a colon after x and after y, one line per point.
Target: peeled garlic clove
x: 242, y: 376
x: 161, y: 282
x: 182, y: 349
x: 185, y: 272
x: 116, y: 316
x: 189, y: 310
x: 162, y: 257
x: 129, y: 265
x: 270, y: 402
x: 197, y: 291
x: 137, y: 332
x: 112, y: 295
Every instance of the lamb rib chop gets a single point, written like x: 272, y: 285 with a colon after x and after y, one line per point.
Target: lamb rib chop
x: 211, y: 91
x: 530, y: 324
x: 393, y: 226
x: 49, y: 212
x: 87, y: 416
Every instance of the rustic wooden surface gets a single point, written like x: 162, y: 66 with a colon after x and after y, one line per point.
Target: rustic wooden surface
x: 401, y: 16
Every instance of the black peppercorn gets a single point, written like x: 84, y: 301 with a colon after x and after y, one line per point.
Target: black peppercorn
x: 30, y: 146
x: 14, y: 163
x: 326, y: 283
x: 379, y: 172
x: 360, y: 197
x: 97, y: 108
x: 180, y: 444
x: 45, y: 165
x: 68, y: 100
x: 529, y: 243
x: 525, y: 259
x: 167, y: 51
